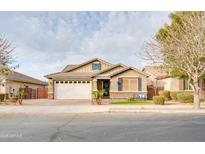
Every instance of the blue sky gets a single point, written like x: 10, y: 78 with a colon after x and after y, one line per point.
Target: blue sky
x: 47, y: 41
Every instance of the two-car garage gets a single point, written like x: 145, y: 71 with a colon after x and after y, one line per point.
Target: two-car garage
x: 72, y: 90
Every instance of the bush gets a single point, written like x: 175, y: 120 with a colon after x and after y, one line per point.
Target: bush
x: 130, y: 99
x: 165, y: 94
x: 185, y: 97
x: 173, y: 95
x: 97, y: 95
x: 2, y: 96
x: 158, y: 100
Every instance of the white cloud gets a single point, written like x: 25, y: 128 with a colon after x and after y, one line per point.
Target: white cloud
x: 47, y: 41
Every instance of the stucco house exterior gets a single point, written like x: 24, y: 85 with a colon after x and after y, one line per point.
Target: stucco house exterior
x: 161, y: 80
x: 11, y: 83
x: 78, y: 81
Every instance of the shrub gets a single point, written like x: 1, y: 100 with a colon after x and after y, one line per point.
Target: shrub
x: 97, y: 95
x: 165, y: 94
x: 173, y: 95
x: 185, y: 97
x: 2, y: 96
x: 130, y: 99
x: 158, y: 100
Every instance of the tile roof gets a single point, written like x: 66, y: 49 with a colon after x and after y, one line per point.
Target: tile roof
x: 71, y: 76
x: 156, y: 71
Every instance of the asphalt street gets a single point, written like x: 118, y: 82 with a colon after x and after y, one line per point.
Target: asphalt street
x: 106, y: 127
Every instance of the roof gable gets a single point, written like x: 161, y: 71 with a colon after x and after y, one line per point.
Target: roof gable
x: 109, y: 69
x: 88, y: 62
x: 69, y: 67
x: 127, y: 69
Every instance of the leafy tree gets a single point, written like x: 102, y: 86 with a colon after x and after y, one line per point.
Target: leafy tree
x: 180, y: 48
x: 20, y: 94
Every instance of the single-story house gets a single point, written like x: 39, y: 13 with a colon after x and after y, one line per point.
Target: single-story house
x: 161, y: 80
x: 78, y: 81
x: 11, y: 83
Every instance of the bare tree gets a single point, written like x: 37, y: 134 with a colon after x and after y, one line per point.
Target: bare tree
x: 180, y: 47
x: 6, y: 56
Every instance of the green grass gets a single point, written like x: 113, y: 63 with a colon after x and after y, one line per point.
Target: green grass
x: 132, y: 103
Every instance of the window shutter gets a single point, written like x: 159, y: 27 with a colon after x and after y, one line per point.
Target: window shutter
x: 139, y: 84
x: 119, y: 84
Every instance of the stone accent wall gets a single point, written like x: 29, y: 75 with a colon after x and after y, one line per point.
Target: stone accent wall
x: 125, y: 95
x: 50, y: 89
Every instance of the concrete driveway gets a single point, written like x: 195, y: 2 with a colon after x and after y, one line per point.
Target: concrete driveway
x: 45, y: 106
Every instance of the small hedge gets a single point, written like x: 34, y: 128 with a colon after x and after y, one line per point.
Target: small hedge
x: 173, y: 95
x: 2, y: 97
x: 185, y: 97
x: 165, y: 94
x: 158, y: 100
x: 130, y: 99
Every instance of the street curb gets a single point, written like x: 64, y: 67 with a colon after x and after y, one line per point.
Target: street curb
x: 128, y: 110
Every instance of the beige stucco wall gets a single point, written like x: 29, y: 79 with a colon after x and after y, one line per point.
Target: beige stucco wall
x: 128, y: 74
x: 154, y: 82
x: 88, y: 67
x: 16, y: 85
x: 3, y: 86
x: 172, y: 84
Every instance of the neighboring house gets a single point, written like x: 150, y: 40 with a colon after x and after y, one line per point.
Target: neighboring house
x: 78, y: 81
x: 10, y: 84
x: 161, y: 80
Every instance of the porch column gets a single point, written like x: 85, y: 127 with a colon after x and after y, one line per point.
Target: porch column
x: 50, y: 89
x: 94, y: 85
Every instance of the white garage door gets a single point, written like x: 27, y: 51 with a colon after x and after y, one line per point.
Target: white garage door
x: 72, y: 90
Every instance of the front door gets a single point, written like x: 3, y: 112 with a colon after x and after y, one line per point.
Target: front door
x: 106, y: 87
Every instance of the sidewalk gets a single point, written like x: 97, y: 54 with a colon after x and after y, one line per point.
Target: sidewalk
x: 66, y: 109
x: 156, y: 109
x: 52, y: 109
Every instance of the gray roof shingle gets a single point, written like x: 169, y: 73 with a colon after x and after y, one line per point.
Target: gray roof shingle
x: 16, y: 76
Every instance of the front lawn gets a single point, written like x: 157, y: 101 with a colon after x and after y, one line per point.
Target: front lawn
x: 132, y: 103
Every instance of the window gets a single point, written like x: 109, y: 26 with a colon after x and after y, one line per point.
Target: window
x: 119, y: 84
x: 88, y: 81
x: 66, y: 81
x: 96, y: 66
x: 83, y: 82
x: 61, y: 81
x: 57, y: 82
x: 75, y: 82
x: 139, y: 84
x: 70, y: 82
